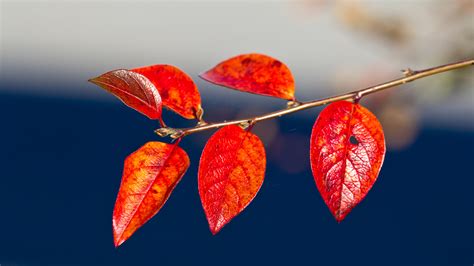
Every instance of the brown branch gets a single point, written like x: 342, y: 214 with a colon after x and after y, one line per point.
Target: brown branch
x: 410, y: 75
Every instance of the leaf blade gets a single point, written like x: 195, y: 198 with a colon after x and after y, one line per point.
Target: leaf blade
x: 347, y: 150
x: 150, y: 175
x: 231, y: 172
x: 254, y: 73
x: 133, y: 89
x: 178, y: 91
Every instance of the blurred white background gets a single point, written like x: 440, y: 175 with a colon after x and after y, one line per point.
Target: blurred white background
x: 330, y: 46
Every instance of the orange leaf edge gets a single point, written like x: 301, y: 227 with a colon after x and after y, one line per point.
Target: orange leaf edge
x: 120, y: 240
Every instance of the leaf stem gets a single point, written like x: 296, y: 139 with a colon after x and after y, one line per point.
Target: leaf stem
x: 409, y: 75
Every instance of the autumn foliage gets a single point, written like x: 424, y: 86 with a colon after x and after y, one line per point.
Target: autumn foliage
x: 254, y: 73
x: 231, y: 172
x: 347, y: 149
x: 149, y: 176
x: 347, y: 145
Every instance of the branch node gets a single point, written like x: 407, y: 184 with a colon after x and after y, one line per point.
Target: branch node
x: 245, y: 124
x: 248, y: 124
x: 167, y: 131
x: 408, y: 72
x: 357, y: 97
x: 252, y: 122
x: 294, y: 103
x: 177, y: 134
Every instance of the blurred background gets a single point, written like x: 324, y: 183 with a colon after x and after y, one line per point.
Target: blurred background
x: 63, y: 140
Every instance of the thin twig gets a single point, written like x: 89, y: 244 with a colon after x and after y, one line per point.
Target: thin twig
x: 410, y: 75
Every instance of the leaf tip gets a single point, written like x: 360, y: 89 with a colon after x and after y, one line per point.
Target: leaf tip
x: 118, y: 243
x: 216, y: 223
x: 339, y: 216
x: 118, y: 237
x: 118, y: 240
x: 205, y: 76
x: 93, y: 80
x: 215, y: 229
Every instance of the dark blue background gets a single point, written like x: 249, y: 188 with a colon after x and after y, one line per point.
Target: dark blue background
x: 61, y: 163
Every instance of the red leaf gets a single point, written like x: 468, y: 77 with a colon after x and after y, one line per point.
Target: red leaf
x: 133, y: 89
x: 177, y: 89
x: 150, y: 174
x: 231, y: 172
x: 254, y: 73
x: 347, y: 152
